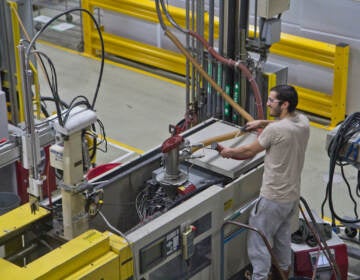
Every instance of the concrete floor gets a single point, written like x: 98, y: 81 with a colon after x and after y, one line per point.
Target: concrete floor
x: 137, y: 108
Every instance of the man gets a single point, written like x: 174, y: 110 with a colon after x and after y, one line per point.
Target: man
x: 285, y: 141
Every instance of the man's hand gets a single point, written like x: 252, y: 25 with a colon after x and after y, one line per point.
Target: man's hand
x: 34, y: 204
x: 226, y: 152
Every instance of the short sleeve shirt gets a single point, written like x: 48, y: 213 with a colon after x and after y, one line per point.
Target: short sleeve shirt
x: 285, y: 143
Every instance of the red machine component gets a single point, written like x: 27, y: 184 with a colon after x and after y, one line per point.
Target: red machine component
x: 22, y: 175
x: 100, y: 169
x: 171, y: 143
x: 305, y: 260
x: 184, y: 190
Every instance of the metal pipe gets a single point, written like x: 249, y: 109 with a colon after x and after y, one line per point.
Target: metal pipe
x: 229, y: 49
x: 243, y: 35
x: 192, y: 47
x: 172, y: 164
x: 211, y: 100
x: 199, y: 53
x: 29, y: 113
x: 187, y: 66
x: 219, y: 100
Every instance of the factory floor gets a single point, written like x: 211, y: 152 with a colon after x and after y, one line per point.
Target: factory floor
x: 136, y: 109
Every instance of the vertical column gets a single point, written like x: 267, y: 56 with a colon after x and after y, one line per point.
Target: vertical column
x: 341, y: 66
x: 241, y: 92
x: 229, y: 52
x: 87, y: 28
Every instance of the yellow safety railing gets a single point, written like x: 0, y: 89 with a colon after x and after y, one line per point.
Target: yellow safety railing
x: 271, y: 79
x: 331, y: 106
x: 130, y: 49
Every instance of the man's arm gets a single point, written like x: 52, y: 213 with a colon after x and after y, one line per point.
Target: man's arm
x: 245, y: 151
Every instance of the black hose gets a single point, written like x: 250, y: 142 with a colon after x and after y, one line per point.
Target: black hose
x: 53, y: 83
x: 32, y: 42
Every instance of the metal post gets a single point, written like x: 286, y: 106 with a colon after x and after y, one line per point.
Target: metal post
x: 243, y: 34
x: 29, y: 113
x: 187, y: 66
x: 211, y: 100
x: 219, y: 101
x: 192, y: 46
x: 200, y: 52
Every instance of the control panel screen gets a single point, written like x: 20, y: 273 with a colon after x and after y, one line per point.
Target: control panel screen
x: 152, y: 254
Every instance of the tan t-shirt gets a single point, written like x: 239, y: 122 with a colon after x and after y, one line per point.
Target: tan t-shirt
x: 285, y: 142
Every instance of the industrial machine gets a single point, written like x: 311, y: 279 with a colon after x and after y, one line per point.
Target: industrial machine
x: 309, y: 259
x: 170, y: 208
x: 319, y: 253
x: 171, y: 212
x: 342, y: 145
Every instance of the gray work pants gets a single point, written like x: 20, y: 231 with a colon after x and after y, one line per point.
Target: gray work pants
x: 274, y: 220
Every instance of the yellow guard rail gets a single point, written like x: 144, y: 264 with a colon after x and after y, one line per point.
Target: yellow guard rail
x: 330, y: 105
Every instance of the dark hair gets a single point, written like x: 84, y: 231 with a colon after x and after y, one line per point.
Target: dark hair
x: 287, y: 93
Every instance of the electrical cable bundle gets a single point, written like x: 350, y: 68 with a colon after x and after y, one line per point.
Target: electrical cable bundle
x: 79, y: 100
x: 150, y: 201
x: 340, y: 156
x: 53, y: 82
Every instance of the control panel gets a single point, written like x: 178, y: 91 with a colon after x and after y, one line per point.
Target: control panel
x: 157, y: 251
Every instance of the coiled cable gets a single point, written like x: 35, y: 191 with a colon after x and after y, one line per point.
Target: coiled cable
x: 348, y: 129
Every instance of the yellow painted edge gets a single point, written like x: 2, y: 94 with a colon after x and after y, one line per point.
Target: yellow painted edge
x: 133, y: 69
x: 19, y: 218
x: 115, y: 142
x: 69, y: 257
x: 328, y: 220
x: 103, y: 267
